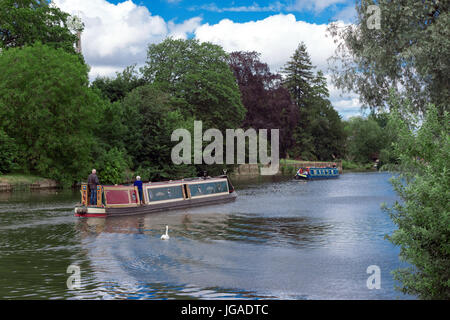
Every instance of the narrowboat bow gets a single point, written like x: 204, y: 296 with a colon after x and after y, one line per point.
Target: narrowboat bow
x: 157, y: 196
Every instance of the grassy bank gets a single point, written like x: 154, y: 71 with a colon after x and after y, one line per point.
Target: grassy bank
x: 357, y: 167
x: 19, y: 181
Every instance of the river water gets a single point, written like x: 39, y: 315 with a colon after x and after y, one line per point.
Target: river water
x: 281, y: 239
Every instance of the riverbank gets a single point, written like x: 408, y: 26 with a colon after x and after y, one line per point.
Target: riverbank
x: 12, y: 182
x: 350, y: 166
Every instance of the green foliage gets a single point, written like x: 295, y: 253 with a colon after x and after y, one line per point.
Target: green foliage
x: 111, y: 130
x: 299, y: 75
x: 8, y: 152
x: 355, y: 166
x: 365, y: 139
x: 112, y: 165
x: 49, y: 111
x: 115, y: 89
x: 320, y: 133
x: 348, y: 165
x: 325, y: 125
x: 150, y: 120
x: 409, y: 53
x: 26, y: 21
x: 198, y: 80
x: 423, y: 215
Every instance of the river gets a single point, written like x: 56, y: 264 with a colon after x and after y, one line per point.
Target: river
x: 281, y: 239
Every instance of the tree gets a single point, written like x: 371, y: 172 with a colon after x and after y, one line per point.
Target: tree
x: 409, y: 53
x: 298, y: 75
x: 112, y: 165
x: 23, y: 22
x: 198, y: 80
x: 423, y: 215
x: 268, y: 103
x: 8, y: 152
x: 319, y: 133
x: 47, y: 107
x: 365, y: 139
x: 150, y: 120
x: 324, y: 122
x: 390, y: 135
x: 115, y: 89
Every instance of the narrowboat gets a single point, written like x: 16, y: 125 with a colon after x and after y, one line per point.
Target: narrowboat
x: 122, y: 200
x: 317, y: 173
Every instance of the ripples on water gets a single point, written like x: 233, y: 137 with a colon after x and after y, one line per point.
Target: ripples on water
x: 281, y: 239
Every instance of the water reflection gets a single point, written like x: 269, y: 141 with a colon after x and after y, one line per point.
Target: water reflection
x: 278, y: 231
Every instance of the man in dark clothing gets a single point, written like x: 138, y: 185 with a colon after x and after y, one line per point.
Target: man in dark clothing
x: 93, y: 182
x: 138, y: 183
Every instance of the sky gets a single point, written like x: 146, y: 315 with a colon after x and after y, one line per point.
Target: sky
x: 118, y: 32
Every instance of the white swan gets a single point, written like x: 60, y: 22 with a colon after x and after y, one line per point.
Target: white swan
x: 166, y: 236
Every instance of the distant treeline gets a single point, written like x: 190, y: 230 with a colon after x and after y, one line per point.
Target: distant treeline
x: 56, y: 124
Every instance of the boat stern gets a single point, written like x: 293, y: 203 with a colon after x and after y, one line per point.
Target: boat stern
x: 90, y: 212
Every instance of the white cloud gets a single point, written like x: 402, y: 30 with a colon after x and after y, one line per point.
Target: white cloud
x: 180, y: 31
x: 117, y: 35
x: 276, y: 38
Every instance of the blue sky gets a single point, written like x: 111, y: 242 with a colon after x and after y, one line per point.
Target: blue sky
x: 243, y: 10
x: 118, y: 32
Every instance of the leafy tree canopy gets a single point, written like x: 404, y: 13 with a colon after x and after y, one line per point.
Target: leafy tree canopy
x: 319, y: 133
x: 23, y: 22
x: 299, y: 74
x: 150, y: 120
x: 268, y: 103
x: 409, y: 53
x: 198, y: 79
x: 423, y: 215
x: 115, y: 89
x: 47, y: 107
x: 365, y: 139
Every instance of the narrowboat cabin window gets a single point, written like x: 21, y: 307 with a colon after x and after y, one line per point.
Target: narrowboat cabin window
x: 203, y: 189
x: 165, y: 193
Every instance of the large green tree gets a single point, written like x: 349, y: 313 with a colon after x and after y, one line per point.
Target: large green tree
x: 48, y: 109
x: 365, y: 139
x: 268, y: 103
x: 299, y: 74
x: 115, y: 89
x: 409, y: 52
x: 151, y: 119
x: 423, y: 215
x: 23, y: 22
x: 319, y: 133
x: 198, y: 80
x: 324, y: 122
